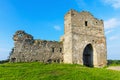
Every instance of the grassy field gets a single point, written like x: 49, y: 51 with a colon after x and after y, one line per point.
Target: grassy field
x: 40, y: 71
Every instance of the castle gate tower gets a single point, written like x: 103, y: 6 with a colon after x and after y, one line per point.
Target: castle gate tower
x: 84, y: 41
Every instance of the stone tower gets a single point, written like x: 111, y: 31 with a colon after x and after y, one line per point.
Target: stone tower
x: 84, y: 41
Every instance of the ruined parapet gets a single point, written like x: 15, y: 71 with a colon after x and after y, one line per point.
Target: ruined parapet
x: 27, y: 49
x: 83, y: 22
x: 21, y: 35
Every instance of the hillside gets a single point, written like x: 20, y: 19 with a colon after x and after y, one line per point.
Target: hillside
x: 39, y: 71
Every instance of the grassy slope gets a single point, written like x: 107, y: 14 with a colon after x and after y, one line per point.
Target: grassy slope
x: 39, y: 71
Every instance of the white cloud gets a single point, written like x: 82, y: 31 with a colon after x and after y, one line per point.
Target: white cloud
x: 56, y: 27
x: 113, y: 37
x: 108, y: 31
x: 112, y: 23
x: 114, y: 3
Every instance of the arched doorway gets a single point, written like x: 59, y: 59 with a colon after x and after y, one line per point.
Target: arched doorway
x: 88, y: 56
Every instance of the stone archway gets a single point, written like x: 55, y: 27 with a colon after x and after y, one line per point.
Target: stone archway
x: 88, y: 56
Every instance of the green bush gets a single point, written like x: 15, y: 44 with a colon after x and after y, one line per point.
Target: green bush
x: 113, y: 62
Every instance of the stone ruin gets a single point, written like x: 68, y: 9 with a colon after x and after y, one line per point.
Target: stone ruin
x: 83, y: 43
x: 28, y: 50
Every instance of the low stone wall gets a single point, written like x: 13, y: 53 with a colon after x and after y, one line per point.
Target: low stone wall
x: 27, y: 49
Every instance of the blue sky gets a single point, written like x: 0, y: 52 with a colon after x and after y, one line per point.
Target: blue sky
x: 44, y: 19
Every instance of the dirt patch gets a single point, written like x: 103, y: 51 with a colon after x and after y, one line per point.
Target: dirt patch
x: 114, y: 68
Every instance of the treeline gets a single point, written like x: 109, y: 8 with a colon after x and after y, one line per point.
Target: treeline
x: 110, y: 62
x: 4, y: 61
x: 113, y: 62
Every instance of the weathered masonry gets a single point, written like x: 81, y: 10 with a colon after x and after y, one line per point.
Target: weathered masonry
x: 83, y: 43
x: 28, y: 50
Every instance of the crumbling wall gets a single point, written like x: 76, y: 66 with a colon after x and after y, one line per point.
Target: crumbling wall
x: 27, y: 49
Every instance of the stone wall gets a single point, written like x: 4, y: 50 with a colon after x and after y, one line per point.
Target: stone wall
x: 28, y: 50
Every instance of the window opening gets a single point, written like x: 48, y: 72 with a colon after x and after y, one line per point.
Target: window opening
x: 53, y: 50
x: 60, y: 50
x: 86, y: 23
x: 20, y: 35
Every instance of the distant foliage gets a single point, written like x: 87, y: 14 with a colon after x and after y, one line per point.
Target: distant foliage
x: 113, y: 62
x: 4, y: 61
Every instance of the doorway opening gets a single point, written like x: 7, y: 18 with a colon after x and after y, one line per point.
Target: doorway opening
x: 88, y: 56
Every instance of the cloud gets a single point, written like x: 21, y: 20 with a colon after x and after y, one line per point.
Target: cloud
x: 112, y: 23
x: 108, y: 31
x: 56, y: 27
x: 113, y: 37
x: 114, y: 3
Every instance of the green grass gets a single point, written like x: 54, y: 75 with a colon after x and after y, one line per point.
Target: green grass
x: 40, y: 71
x: 113, y: 65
